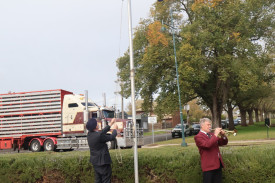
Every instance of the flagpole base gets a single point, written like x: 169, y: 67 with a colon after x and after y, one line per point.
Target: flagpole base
x: 183, y: 144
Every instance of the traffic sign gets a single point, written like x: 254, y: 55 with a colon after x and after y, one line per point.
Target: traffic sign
x: 152, y: 120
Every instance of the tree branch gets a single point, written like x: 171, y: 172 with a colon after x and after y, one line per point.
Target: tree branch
x: 187, y: 12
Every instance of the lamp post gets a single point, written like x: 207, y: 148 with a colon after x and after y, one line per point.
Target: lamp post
x: 183, y: 144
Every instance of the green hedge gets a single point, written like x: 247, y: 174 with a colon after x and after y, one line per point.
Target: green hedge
x: 168, y: 164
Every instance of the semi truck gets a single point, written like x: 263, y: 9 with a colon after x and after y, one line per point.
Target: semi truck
x: 53, y: 120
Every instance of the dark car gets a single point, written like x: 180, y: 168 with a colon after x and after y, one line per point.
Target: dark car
x: 197, y: 128
x: 225, y: 123
x: 177, y: 131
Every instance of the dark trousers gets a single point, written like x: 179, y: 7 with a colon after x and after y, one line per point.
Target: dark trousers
x: 213, y: 176
x: 103, y: 173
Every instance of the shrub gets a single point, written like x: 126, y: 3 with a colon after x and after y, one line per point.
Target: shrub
x: 167, y: 164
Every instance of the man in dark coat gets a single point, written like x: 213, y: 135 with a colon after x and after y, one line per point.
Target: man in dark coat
x: 99, y: 153
x: 208, y: 144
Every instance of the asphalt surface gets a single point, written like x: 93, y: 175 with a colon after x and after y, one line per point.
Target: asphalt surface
x: 162, y: 137
x: 147, y: 140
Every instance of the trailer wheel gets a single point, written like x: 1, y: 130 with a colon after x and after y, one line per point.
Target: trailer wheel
x: 35, y: 146
x: 49, y: 145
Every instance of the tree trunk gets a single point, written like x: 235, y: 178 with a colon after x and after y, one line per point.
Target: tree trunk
x: 230, y: 116
x: 265, y: 114
x: 216, y: 112
x: 257, y: 114
x: 187, y: 117
x: 243, y: 117
x: 261, y: 115
x: 250, y: 114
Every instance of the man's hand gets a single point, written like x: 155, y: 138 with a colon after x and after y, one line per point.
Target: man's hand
x: 112, y: 121
x: 222, y: 133
x: 217, y: 131
x: 115, y: 126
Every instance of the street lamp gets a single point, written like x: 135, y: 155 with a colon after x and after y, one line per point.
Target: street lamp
x: 183, y: 144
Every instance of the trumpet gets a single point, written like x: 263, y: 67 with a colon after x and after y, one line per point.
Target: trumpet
x: 228, y: 132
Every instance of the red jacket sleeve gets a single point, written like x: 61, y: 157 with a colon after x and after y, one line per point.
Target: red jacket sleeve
x: 223, y: 141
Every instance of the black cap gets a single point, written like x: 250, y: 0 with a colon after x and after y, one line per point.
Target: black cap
x: 91, y: 124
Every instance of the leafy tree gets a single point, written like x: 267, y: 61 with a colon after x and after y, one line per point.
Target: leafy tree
x: 219, y: 44
x: 218, y: 50
x: 196, y: 112
x: 138, y: 106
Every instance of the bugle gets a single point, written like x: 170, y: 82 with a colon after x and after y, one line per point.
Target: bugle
x: 228, y: 132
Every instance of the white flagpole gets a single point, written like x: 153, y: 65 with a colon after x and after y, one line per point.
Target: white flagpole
x: 132, y: 76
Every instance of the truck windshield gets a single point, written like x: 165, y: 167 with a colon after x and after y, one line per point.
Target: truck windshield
x: 108, y: 114
x: 89, y: 104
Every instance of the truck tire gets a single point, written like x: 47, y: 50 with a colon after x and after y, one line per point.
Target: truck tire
x: 49, y: 145
x: 35, y: 146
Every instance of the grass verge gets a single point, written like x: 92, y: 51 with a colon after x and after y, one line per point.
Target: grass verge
x: 251, y: 132
x: 169, y: 164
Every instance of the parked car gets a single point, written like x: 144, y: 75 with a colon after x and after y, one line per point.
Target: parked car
x: 197, y: 128
x: 225, y: 123
x: 177, y: 131
x: 237, y: 121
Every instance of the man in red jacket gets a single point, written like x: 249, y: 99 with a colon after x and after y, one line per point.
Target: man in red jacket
x: 208, y: 144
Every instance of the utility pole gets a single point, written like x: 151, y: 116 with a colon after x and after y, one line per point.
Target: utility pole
x: 104, y: 99
x: 122, y: 106
x: 120, y: 83
x: 183, y: 144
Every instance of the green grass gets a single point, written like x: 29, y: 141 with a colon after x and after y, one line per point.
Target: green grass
x: 169, y: 164
x: 165, y: 164
x: 252, y: 132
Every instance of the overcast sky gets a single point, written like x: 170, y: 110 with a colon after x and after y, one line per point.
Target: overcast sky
x: 65, y: 44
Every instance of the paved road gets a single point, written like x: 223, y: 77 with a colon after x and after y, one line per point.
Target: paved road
x: 147, y: 140
x: 163, y: 137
